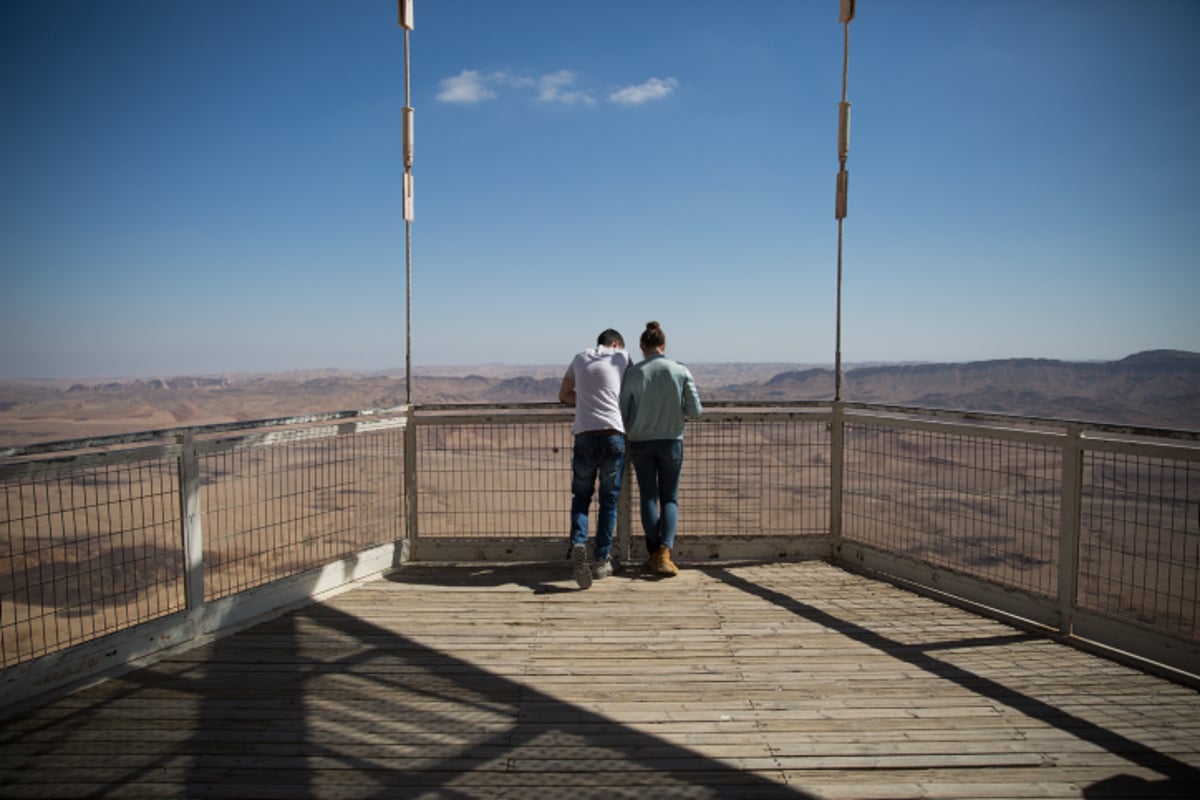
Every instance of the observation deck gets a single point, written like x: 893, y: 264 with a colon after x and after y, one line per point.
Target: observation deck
x: 874, y: 602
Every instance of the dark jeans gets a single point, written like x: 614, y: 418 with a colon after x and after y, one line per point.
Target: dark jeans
x: 658, y: 464
x: 595, y: 457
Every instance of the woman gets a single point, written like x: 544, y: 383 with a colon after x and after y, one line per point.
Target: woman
x: 656, y: 398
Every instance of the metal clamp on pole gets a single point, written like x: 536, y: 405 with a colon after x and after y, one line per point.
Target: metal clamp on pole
x: 843, y: 131
x: 843, y: 189
x: 407, y: 115
x: 407, y: 122
x: 408, y: 197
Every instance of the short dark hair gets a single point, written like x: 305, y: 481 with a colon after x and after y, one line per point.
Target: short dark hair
x: 609, y: 337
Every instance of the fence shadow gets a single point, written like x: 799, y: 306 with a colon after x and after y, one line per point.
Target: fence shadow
x: 321, y: 703
x: 401, y: 716
x: 1180, y: 779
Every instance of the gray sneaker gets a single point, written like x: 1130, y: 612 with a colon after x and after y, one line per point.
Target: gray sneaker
x: 602, y: 569
x: 579, y: 563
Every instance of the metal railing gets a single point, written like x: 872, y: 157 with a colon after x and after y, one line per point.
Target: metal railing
x: 485, y: 481
x: 116, y: 548
x: 1092, y: 531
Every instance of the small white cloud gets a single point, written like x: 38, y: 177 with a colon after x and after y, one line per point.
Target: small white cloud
x: 514, y: 81
x: 472, y: 86
x: 467, y: 86
x: 653, y: 89
x: 553, y: 88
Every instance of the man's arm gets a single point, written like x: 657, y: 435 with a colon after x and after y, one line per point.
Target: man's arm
x: 566, y: 392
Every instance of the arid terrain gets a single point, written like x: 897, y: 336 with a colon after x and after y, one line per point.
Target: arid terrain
x: 1158, y: 388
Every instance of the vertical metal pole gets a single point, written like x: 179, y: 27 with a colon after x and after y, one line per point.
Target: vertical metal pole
x: 193, y: 536
x: 406, y: 21
x: 408, y: 546
x: 837, y: 441
x: 846, y: 14
x: 837, y: 468
x: 408, y: 549
x: 624, y: 539
x: 837, y: 355
x: 1068, y: 534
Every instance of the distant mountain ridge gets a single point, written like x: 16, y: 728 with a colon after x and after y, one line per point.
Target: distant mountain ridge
x: 1157, y: 388
x: 522, y: 389
x: 1153, y: 388
x: 181, y: 382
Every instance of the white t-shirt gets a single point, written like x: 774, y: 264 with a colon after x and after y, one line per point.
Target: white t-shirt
x: 598, y: 373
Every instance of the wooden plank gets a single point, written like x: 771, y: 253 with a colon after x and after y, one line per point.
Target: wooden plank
x: 786, y: 680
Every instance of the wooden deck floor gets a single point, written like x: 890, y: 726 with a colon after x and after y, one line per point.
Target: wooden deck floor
x: 795, y: 680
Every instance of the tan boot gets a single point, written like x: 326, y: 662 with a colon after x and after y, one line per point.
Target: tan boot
x: 665, y: 566
x: 652, y: 563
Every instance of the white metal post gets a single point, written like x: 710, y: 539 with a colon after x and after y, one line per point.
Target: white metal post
x: 837, y: 460
x: 409, y: 544
x: 1068, y: 534
x: 191, y: 528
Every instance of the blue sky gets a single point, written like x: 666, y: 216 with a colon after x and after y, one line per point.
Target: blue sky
x: 202, y: 187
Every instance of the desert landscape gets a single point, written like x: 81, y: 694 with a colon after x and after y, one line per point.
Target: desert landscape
x: 1158, y: 388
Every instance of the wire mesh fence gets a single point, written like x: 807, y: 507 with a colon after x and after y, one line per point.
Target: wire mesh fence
x: 979, y: 504
x: 1139, y: 552
x: 494, y: 480
x: 762, y: 474
x: 86, y: 552
x: 277, y: 509
x: 756, y: 475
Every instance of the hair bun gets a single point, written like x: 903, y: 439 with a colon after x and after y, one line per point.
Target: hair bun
x: 651, y: 326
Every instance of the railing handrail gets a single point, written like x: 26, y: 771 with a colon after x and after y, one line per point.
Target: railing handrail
x: 1063, y: 422
x: 165, y: 442
x: 121, y: 439
x: 198, y: 431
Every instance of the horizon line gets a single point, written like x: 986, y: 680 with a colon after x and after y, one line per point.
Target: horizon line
x: 419, y: 369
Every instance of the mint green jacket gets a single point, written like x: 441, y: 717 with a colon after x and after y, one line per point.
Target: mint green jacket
x: 657, y: 396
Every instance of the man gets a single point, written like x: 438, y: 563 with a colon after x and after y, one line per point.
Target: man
x: 592, y: 385
x: 658, y: 395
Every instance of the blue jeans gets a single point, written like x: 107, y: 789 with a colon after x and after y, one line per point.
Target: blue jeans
x: 658, y: 464
x: 595, y: 457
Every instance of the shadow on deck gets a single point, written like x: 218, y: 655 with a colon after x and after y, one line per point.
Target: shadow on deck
x: 739, y: 680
